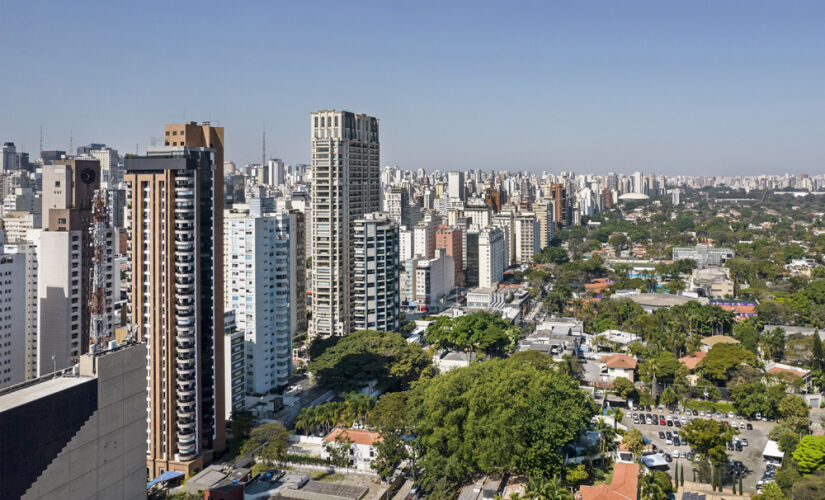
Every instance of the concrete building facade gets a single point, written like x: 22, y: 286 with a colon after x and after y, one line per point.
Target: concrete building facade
x: 377, y: 290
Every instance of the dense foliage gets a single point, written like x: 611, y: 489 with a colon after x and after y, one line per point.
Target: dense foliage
x: 500, y: 415
x: 479, y: 331
x: 350, y: 363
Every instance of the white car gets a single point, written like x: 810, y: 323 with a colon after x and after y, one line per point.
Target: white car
x: 701, y: 413
x: 675, y: 454
x: 742, y: 425
x: 730, y: 414
x: 684, y: 420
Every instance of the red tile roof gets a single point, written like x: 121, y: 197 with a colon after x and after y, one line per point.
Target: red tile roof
x: 619, y: 361
x: 693, y: 361
x: 624, y: 486
x: 355, y: 435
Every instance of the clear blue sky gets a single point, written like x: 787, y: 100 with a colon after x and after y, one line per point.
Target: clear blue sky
x: 702, y: 87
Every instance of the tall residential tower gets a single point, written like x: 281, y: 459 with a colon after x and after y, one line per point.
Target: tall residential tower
x: 176, y: 226
x: 346, y: 185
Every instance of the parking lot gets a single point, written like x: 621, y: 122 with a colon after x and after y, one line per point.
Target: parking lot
x: 750, y: 455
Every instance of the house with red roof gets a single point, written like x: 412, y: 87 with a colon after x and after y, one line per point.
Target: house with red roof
x: 615, y: 366
x: 361, y: 444
x: 625, y: 485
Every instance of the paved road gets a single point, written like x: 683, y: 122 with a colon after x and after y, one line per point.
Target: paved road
x: 750, y: 455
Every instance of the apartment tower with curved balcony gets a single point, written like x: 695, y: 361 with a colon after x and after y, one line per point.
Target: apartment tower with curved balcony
x: 175, y: 220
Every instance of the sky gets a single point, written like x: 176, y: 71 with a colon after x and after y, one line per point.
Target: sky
x: 697, y: 88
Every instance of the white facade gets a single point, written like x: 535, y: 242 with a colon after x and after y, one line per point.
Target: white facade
x: 260, y: 286
x: 527, y: 237
x: 433, y: 281
x: 491, y: 257
x: 12, y: 319
x: 455, y: 186
x: 376, y: 294
x: 424, y: 239
x: 406, y: 246
x: 59, y: 300
x: 346, y: 185
x: 28, y: 252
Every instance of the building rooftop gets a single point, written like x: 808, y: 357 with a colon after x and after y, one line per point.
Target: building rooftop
x: 20, y: 394
x: 719, y: 339
x: 693, y: 361
x: 624, y: 486
x: 357, y: 436
x: 619, y: 361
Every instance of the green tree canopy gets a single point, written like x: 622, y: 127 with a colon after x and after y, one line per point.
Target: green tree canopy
x: 350, y: 363
x: 722, y: 358
x: 809, y: 454
x: 479, y: 331
x: 499, y: 415
x: 708, y: 438
x: 271, y: 438
x: 793, y: 412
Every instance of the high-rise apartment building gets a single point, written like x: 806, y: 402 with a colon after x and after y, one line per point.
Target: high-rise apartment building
x: 451, y: 240
x: 563, y: 216
x: 12, y: 319
x: 424, y: 238
x: 455, y: 186
x: 346, y: 185
x: 433, y: 281
x: 8, y: 157
x: 544, y: 215
x: 376, y: 292
x: 28, y: 287
x: 471, y: 271
x: 526, y: 234
x: 234, y: 382
x: 175, y: 228
x: 65, y: 262
x: 396, y: 204
x: 263, y: 276
x: 491, y: 257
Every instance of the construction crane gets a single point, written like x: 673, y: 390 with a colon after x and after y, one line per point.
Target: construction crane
x: 100, y: 330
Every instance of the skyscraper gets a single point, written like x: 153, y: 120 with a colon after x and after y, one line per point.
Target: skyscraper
x: 65, y: 262
x: 455, y: 186
x: 264, y: 264
x: 376, y: 293
x: 346, y: 185
x: 175, y: 221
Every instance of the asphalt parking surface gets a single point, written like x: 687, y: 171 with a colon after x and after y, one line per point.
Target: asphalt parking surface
x: 750, y: 455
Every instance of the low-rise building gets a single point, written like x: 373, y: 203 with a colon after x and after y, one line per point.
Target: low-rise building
x: 362, y: 446
x: 624, y: 486
x: 617, y: 366
x: 447, y: 360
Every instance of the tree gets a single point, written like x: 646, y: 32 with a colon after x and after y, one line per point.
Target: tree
x: 242, y: 422
x: 634, y: 441
x: 496, y: 416
x: 351, y: 362
x: 817, y: 354
x: 811, y: 487
x: 655, y: 485
x: 794, y: 412
x: 770, y: 491
x: 623, y: 387
x: 479, y: 331
x: 809, y: 454
x: 618, y: 241
x: 539, y: 488
x: 270, y: 439
x: 708, y: 438
x: 390, y: 451
x: 389, y: 415
x: 339, y: 449
x: 722, y: 358
x: 576, y: 475
x: 668, y: 397
x: 773, y: 344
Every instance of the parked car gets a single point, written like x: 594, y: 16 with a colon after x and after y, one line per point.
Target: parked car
x: 677, y: 441
x: 744, y: 441
x: 742, y: 425
x: 661, y: 434
x: 749, y: 426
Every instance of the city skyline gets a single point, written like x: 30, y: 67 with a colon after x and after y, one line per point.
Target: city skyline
x: 598, y: 88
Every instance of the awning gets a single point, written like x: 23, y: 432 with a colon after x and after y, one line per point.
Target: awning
x: 166, y: 476
x: 655, y: 460
x: 772, y: 450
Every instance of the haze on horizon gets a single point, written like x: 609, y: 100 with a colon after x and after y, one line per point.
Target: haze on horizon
x: 720, y: 88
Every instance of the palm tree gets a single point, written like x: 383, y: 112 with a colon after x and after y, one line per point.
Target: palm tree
x: 651, y: 489
x: 542, y: 489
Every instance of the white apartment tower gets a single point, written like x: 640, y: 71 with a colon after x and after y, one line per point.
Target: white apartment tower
x: 455, y: 186
x: 261, y: 281
x: 28, y: 251
x: 346, y: 185
x: 491, y: 257
x: 376, y: 294
x: 12, y: 319
x: 527, y: 236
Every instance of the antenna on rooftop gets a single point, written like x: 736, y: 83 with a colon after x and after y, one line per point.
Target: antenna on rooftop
x: 41, y: 141
x: 263, y: 146
x: 71, y: 142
